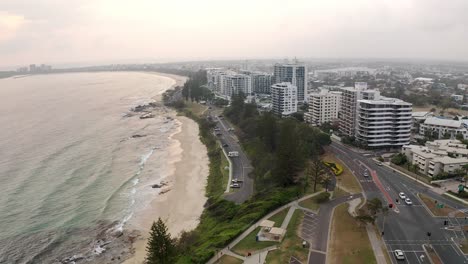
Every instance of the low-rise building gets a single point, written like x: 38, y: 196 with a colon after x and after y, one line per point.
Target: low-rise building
x: 443, y: 128
x: 438, y: 157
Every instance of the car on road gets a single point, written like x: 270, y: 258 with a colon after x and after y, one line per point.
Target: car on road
x: 218, y: 133
x: 233, y: 154
x: 235, y: 185
x: 378, y: 163
x: 236, y: 180
x: 408, y: 201
x: 402, y: 195
x: 399, y: 254
x: 225, y: 145
x: 231, y: 129
x: 366, y: 174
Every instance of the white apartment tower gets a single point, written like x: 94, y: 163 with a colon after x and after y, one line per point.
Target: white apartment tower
x: 323, y: 107
x: 383, y: 122
x: 235, y: 83
x: 294, y: 73
x: 284, y: 98
x: 348, y: 110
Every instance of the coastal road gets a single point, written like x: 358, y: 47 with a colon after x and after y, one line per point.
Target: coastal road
x: 407, y: 226
x: 241, y: 166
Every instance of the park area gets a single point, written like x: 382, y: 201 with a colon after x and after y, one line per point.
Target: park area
x: 349, y: 240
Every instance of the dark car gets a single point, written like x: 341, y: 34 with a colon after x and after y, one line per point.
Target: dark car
x: 225, y: 145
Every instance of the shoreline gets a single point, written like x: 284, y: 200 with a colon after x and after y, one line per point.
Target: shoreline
x: 187, y: 172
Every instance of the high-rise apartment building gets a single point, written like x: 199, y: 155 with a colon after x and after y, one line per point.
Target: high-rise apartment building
x: 323, y: 107
x: 294, y: 73
x: 283, y: 98
x: 261, y: 82
x: 383, y: 122
x: 348, y: 110
x: 235, y: 83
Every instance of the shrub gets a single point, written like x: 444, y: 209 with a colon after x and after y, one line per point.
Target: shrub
x: 399, y: 159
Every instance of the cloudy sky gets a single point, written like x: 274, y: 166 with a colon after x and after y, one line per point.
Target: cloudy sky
x: 100, y: 31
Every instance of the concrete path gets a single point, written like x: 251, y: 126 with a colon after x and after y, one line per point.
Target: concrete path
x: 259, y: 257
x: 288, y: 217
x: 376, y: 245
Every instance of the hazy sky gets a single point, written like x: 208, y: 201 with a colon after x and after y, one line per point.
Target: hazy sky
x: 61, y: 31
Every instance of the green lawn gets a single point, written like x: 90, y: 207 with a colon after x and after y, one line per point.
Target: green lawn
x: 291, y: 245
x: 279, y: 217
x: 349, y: 242
x: 310, y: 203
x: 339, y: 193
x: 249, y: 244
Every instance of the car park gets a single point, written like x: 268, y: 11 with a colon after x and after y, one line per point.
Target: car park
x: 408, y: 201
x: 399, y: 255
x: 402, y: 195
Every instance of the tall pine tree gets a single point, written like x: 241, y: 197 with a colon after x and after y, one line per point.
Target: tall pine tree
x: 160, y: 248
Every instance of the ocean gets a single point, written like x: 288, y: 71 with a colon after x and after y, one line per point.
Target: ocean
x: 73, y: 157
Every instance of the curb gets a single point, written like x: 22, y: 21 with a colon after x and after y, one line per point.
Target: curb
x: 427, y: 254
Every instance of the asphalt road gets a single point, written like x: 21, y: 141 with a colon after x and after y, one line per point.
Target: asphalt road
x: 406, y: 226
x: 241, y: 166
x: 317, y: 254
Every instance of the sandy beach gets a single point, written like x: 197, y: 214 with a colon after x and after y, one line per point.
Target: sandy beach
x: 187, y: 171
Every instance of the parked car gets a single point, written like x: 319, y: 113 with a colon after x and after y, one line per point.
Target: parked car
x: 408, y: 201
x: 402, y: 195
x: 399, y: 254
x: 378, y: 163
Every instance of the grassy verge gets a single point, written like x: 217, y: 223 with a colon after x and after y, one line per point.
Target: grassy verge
x: 419, y: 177
x: 349, y: 241
x: 339, y: 193
x: 224, y: 171
x: 229, y: 260
x: 279, y: 217
x: 249, y: 244
x: 431, y: 205
x: 345, y: 179
x: 291, y: 245
x: 433, y: 255
x: 310, y: 203
x: 464, y: 246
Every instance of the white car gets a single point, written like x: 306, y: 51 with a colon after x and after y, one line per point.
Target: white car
x: 402, y: 195
x: 408, y: 201
x: 366, y: 174
x: 235, y: 185
x: 399, y: 254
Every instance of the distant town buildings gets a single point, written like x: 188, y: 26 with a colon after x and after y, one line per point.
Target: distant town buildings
x: 323, y: 107
x: 437, y: 157
x: 294, y: 73
x: 284, y: 98
x: 33, y: 68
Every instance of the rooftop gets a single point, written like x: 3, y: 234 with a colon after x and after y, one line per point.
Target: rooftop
x: 443, y: 122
